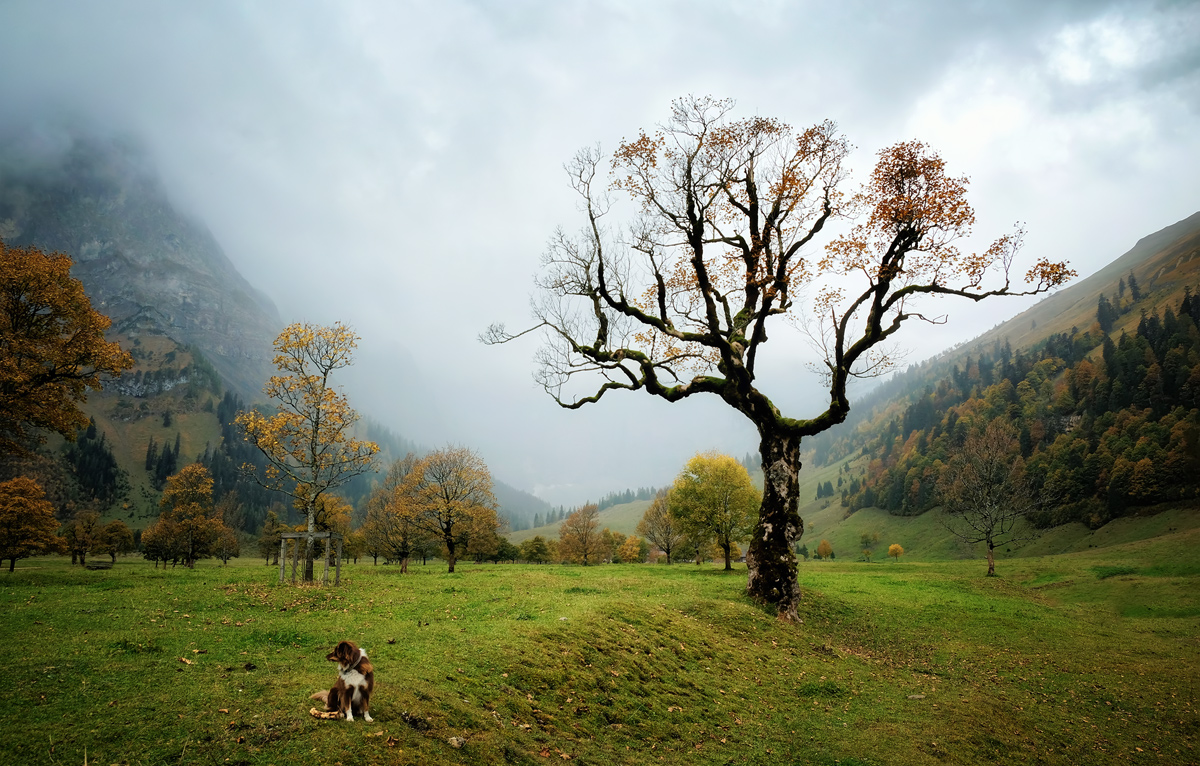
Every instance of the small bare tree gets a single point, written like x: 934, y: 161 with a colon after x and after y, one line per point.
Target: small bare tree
x: 985, y: 491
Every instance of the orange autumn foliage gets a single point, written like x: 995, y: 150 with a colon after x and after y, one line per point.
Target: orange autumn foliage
x: 27, y: 523
x: 52, y: 347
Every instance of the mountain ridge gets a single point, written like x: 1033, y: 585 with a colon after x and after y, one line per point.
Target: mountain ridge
x: 148, y: 267
x: 1157, y: 260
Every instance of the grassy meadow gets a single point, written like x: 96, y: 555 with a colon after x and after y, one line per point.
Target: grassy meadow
x: 1084, y: 657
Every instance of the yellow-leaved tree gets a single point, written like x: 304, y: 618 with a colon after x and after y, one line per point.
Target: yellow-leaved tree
x: 309, y: 442
x: 188, y: 515
x: 52, y: 347
x: 713, y: 497
x: 633, y: 550
x: 680, y: 298
x: 448, y: 495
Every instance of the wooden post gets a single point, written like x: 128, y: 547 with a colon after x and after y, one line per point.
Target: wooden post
x: 295, y: 559
x: 296, y: 537
x: 337, y: 578
x: 325, y: 555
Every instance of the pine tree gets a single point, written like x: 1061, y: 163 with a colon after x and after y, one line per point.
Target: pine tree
x: 151, y: 455
x: 1106, y: 315
x: 1135, y: 292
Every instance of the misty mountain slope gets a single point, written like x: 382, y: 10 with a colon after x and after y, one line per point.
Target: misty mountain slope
x: 1163, y: 263
x: 146, y: 265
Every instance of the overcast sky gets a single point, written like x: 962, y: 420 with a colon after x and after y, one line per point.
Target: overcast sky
x: 398, y: 166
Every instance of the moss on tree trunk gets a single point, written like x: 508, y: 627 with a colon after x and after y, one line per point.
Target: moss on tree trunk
x: 769, y: 559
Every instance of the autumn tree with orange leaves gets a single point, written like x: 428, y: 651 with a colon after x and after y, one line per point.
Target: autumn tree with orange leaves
x: 681, y: 298
x: 308, y: 442
x: 188, y: 512
x: 52, y: 347
x: 448, y: 495
x: 27, y: 523
x: 389, y: 528
x: 579, y: 536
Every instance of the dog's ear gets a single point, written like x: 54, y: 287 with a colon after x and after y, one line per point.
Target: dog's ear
x: 347, y: 652
x: 340, y: 652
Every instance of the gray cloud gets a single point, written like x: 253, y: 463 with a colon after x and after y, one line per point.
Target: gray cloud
x: 398, y: 165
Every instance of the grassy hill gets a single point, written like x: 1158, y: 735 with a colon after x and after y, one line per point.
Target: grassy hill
x: 623, y: 518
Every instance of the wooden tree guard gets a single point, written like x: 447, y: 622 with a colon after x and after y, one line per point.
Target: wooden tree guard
x: 298, y: 536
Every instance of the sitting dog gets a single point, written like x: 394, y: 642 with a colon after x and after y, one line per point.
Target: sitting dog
x: 351, y: 692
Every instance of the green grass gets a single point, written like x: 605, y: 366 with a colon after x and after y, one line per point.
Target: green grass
x: 1047, y: 663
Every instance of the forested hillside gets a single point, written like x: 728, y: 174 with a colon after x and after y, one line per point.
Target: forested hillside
x: 1107, y: 425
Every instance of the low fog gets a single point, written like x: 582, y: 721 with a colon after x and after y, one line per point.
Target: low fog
x: 398, y: 166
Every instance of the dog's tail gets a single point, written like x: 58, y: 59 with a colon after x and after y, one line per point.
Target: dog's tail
x: 323, y: 696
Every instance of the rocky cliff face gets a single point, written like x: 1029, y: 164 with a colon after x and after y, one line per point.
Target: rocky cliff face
x: 143, y: 263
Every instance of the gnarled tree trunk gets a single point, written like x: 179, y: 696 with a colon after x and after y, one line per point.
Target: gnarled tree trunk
x: 770, y: 559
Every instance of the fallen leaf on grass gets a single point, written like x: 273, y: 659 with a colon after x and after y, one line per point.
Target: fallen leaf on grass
x: 392, y: 742
x: 545, y: 753
x: 199, y: 651
x: 186, y: 661
x: 222, y: 710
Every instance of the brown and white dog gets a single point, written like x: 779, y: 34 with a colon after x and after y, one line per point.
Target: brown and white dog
x: 356, y: 678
